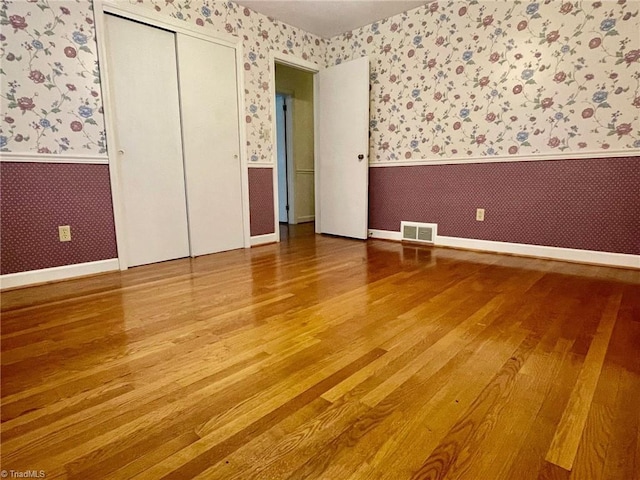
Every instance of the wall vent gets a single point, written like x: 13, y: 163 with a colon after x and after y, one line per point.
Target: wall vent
x: 419, y: 232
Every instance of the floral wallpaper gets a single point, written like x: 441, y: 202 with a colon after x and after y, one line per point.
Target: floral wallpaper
x: 475, y: 78
x: 50, y: 96
x: 449, y: 79
x: 50, y: 79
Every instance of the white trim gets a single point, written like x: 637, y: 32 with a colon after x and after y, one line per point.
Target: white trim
x: 274, y: 143
x: 27, y: 157
x: 292, y: 61
x: 242, y: 147
x: 305, y: 171
x: 32, y: 277
x: 117, y: 199
x: 305, y: 218
x: 540, y: 251
x: 535, y: 157
x: 260, y: 165
x: 316, y: 149
x: 385, y: 235
x: 556, y: 253
x: 291, y: 177
x: 276, y: 199
x: 262, y: 239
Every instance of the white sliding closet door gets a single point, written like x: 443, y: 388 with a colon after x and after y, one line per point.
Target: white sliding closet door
x: 209, y: 103
x: 144, y: 82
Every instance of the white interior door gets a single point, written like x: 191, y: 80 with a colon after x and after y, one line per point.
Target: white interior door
x: 343, y: 146
x: 210, y: 133
x: 144, y: 83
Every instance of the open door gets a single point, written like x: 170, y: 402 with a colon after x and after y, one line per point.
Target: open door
x: 343, y: 147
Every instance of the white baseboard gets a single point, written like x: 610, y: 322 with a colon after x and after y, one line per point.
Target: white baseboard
x: 33, y: 277
x: 541, y: 251
x: 306, y: 218
x: 262, y: 239
x: 385, y: 235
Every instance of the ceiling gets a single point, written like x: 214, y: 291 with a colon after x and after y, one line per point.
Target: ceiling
x: 327, y: 18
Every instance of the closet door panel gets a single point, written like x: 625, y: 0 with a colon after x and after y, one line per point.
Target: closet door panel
x: 209, y: 106
x: 144, y: 82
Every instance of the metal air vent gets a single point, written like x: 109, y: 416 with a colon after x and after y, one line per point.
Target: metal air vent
x: 419, y: 232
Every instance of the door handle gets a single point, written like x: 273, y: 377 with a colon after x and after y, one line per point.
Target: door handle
x: 360, y: 157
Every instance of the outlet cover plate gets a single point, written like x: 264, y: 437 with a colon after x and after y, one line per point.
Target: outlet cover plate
x: 64, y: 233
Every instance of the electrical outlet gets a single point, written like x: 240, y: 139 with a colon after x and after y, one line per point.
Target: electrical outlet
x: 64, y: 232
x: 480, y: 214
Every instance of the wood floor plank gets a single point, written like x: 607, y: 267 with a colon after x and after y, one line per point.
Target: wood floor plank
x: 592, y: 451
x: 439, y: 354
x: 464, y: 439
x: 293, y: 448
x: 323, y: 357
x: 530, y: 458
x: 410, y: 339
x: 160, y: 415
x: 201, y: 454
x: 559, y: 376
x: 354, y: 449
x: 502, y: 444
x: 564, y: 446
x: 550, y: 471
x: 426, y: 421
x: 623, y: 452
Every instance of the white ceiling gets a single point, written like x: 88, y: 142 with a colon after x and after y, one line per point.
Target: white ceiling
x: 328, y: 18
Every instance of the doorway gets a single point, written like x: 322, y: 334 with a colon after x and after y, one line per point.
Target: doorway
x: 294, y: 90
x: 338, y: 174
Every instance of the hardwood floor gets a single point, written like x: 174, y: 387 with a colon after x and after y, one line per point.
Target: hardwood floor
x: 322, y: 357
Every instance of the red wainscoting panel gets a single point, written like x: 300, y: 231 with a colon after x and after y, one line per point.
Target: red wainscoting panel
x: 589, y: 204
x: 261, y: 201
x: 38, y: 197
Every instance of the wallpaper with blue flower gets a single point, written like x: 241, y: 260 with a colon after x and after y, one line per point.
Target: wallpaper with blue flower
x: 51, y: 98
x: 479, y: 78
x: 51, y: 92
x: 449, y: 79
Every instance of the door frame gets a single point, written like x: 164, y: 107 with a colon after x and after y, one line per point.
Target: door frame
x: 307, y: 66
x: 148, y: 17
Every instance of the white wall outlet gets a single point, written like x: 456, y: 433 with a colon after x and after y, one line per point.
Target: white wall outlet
x: 480, y: 214
x: 64, y: 232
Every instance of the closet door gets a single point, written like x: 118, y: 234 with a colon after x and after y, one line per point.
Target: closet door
x: 209, y: 104
x: 144, y: 82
